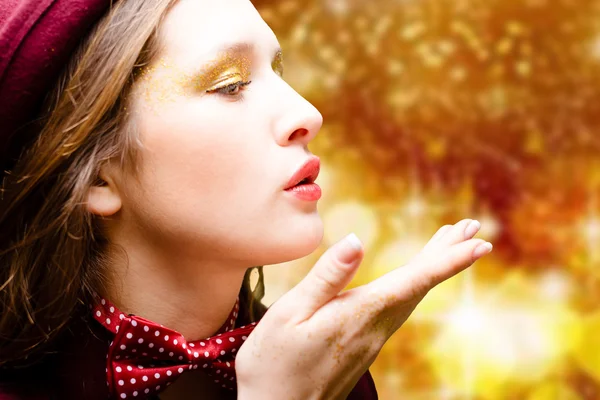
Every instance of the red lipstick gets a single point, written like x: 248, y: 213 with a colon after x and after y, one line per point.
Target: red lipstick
x: 302, y: 183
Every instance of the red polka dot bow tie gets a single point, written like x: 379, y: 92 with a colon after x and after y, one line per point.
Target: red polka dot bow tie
x: 145, y: 357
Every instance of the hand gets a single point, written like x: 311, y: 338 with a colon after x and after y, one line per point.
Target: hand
x: 315, y: 342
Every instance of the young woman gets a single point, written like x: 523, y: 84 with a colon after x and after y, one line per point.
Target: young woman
x: 152, y: 156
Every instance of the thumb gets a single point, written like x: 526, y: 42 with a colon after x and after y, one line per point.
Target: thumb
x: 332, y: 273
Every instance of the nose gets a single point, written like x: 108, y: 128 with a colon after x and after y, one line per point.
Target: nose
x: 298, y: 121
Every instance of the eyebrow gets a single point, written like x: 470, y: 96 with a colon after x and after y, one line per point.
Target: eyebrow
x: 229, y: 50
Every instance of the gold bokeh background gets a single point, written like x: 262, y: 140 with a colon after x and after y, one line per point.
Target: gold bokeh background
x: 438, y: 110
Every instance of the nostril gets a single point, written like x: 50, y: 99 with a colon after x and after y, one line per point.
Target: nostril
x: 298, y: 134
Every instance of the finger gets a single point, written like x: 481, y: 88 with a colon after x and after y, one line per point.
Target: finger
x: 440, y: 232
x: 416, y: 279
x: 330, y: 275
x: 461, y: 231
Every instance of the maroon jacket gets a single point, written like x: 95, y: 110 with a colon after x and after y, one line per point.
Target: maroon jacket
x: 76, y: 371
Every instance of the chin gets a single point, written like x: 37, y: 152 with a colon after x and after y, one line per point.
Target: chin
x: 296, y: 242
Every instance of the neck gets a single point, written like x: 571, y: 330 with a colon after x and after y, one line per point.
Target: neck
x: 179, y: 290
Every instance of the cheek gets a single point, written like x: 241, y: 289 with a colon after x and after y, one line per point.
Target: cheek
x: 197, y: 160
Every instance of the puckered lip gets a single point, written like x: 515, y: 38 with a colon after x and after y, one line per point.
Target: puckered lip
x: 306, y: 173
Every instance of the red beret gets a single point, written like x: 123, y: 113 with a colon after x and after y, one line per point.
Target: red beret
x: 37, y: 38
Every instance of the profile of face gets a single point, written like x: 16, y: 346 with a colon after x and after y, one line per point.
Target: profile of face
x: 221, y: 135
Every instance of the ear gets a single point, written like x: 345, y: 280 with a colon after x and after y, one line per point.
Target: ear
x: 104, y: 198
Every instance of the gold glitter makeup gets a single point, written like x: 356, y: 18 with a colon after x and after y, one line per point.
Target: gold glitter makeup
x: 164, y: 81
x: 231, y: 66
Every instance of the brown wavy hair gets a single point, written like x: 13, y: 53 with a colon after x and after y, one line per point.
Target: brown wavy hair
x: 53, y: 253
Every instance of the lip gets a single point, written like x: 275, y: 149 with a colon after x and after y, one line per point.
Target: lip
x: 308, y: 171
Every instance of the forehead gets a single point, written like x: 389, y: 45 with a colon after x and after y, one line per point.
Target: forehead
x: 195, y: 30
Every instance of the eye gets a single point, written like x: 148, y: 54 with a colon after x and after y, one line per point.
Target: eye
x: 231, y: 89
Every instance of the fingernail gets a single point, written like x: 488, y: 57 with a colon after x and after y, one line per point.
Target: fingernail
x: 349, y: 248
x: 472, y: 229
x: 482, y: 249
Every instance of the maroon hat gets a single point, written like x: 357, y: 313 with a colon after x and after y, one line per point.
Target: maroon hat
x: 37, y: 38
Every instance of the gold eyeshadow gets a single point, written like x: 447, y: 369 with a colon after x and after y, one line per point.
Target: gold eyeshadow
x: 164, y: 80
x: 227, y: 69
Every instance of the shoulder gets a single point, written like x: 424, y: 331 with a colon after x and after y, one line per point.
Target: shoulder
x: 22, y: 391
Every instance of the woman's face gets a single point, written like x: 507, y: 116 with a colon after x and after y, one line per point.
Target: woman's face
x: 221, y: 136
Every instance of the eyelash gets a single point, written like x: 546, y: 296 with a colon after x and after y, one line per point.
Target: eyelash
x: 227, y: 89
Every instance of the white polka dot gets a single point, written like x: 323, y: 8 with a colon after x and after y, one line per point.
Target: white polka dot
x: 103, y: 302
x: 171, y: 354
x: 134, y: 351
x: 202, y: 344
x: 166, y: 337
x: 135, y: 393
x: 129, y: 336
x: 216, y: 381
x: 123, y: 396
x: 108, y: 321
x: 118, y: 369
x: 169, y: 373
x: 140, y: 340
x: 121, y: 382
x: 151, y: 345
x: 98, y: 314
x: 134, y: 323
x: 223, y: 385
x: 123, y: 347
x: 121, y: 316
x: 233, y: 350
x: 189, y: 351
x: 132, y: 380
x: 129, y: 368
x: 158, y: 387
x: 145, y: 378
x: 157, y: 333
x: 206, y: 354
x: 140, y: 366
x: 117, y: 357
x: 219, y: 341
x: 180, y: 358
x: 228, y: 364
x: 231, y: 339
x: 244, y: 337
x: 175, y: 342
x: 146, y: 329
x: 112, y: 309
x: 196, y: 354
x: 205, y: 365
x: 183, y: 345
x: 225, y: 376
x: 180, y: 370
x: 157, y: 375
x: 218, y: 371
x: 147, y: 391
x: 222, y: 352
x: 117, y: 328
x: 161, y: 350
x: 192, y: 345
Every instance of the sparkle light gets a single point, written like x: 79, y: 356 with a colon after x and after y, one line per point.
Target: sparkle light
x: 439, y: 110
